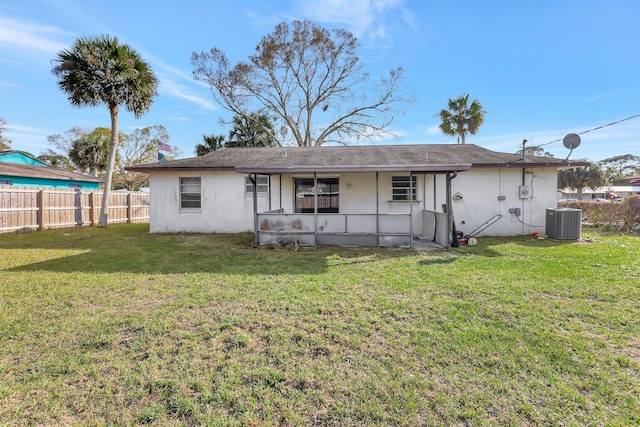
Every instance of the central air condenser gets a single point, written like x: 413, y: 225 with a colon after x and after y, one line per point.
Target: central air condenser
x: 563, y: 223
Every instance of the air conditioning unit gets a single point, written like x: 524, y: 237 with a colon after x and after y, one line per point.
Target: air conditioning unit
x: 563, y: 223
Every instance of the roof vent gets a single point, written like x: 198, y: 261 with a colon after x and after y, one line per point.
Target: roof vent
x: 284, y: 155
x: 426, y: 156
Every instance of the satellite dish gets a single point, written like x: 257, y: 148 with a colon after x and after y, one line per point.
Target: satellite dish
x: 571, y: 141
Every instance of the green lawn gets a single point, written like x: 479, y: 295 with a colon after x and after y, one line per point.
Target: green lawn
x: 118, y: 327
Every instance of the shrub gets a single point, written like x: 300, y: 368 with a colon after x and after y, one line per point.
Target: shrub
x: 630, y: 208
x: 624, y: 215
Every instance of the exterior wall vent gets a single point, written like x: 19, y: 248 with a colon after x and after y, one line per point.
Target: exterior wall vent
x: 563, y: 223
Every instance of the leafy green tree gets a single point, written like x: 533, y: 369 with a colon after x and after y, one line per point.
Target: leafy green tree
x: 90, y: 151
x: 210, y: 144
x: 535, y: 152
x: 138, y: 148
x: 461, y: 118
x: 100, y: 70
x: 618, y: 167
x: 578, y: 179
x: 5, y: 143
x: 309, y: 80
x: 55, y: 160
x: 254, y: 130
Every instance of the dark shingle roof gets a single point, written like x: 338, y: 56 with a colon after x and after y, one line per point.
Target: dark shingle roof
x: 417, y: 158
x: 43, y: 172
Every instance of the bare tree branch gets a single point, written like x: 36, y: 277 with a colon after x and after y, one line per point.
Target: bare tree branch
x: 310, y: 80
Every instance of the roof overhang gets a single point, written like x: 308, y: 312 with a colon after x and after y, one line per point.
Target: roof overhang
x: 145, y: 169
x: 343, y: 169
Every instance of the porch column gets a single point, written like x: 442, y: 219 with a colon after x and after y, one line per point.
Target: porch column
x: 256, y: 238
x: 377, y: 212
x: 448, y: 204
x: 269, y: 193
x: 280, y: 186
x: 315, y: 208
x: 412, y: 194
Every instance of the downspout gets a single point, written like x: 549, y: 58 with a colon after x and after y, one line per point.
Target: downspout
x: 256, y: 239
x: 435, y: 191
x: 450, y: 219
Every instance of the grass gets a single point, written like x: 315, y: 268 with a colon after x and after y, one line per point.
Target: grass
x: 118, y: 327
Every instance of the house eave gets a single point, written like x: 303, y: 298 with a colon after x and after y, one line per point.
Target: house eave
x: 346, y: 169
x: 523, y: 164
x: 143, y: 169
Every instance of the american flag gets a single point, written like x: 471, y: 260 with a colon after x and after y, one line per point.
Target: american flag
x: 163, y: 147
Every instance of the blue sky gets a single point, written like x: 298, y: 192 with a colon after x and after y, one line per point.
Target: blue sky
x: 541, y: 69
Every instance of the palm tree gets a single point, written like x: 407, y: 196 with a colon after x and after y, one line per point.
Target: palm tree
x: 461, y: 118
x: 97, y: 71
x: 591, y: 176
x: 211, y: 143
x: 254, y: 130
x: 90, y: 151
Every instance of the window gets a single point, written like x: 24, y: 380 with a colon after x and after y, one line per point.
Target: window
x: 5, y: 182
x: 262, y: 181
x: 190, y: 195
x: 327, y: 192
x: 403, y: 187
x: 75, y: 186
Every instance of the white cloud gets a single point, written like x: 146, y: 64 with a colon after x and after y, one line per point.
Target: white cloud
x: 169, y: 87
x: 432, y: 130
x: 28, y: 138
x: 16, y: 36
x: 365, y: 18
x: 595, y: 98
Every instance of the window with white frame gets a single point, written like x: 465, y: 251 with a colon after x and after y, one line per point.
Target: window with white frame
x: 403, y: 187
x: 190, y: 193
x: 261, y: 187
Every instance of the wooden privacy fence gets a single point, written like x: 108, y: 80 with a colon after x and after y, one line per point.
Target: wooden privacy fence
x: 36, y: 208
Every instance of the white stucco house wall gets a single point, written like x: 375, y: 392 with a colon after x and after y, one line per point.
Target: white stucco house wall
x: 394, y: 195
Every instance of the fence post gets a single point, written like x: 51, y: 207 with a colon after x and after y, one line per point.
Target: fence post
x: 92, y: 209
x: 41, y: 210
x: 129, y: 207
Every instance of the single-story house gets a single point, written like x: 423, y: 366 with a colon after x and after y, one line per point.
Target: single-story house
x: 20, y: 169
x: 385, y: 195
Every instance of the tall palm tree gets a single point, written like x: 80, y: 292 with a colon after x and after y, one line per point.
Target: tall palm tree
x: 100, y: 70
x: 461, y: 118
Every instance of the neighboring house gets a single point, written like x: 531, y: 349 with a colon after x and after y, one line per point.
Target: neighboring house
x: 633, y: 180
x: 19, y: 169
x: 387, y: 195
x: 606, y: 192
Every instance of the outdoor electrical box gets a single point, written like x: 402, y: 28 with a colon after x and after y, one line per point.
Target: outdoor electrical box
x: 563, y: 223
x: 525, y: 192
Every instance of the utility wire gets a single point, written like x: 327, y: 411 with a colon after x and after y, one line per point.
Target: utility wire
x: 591, y: 130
